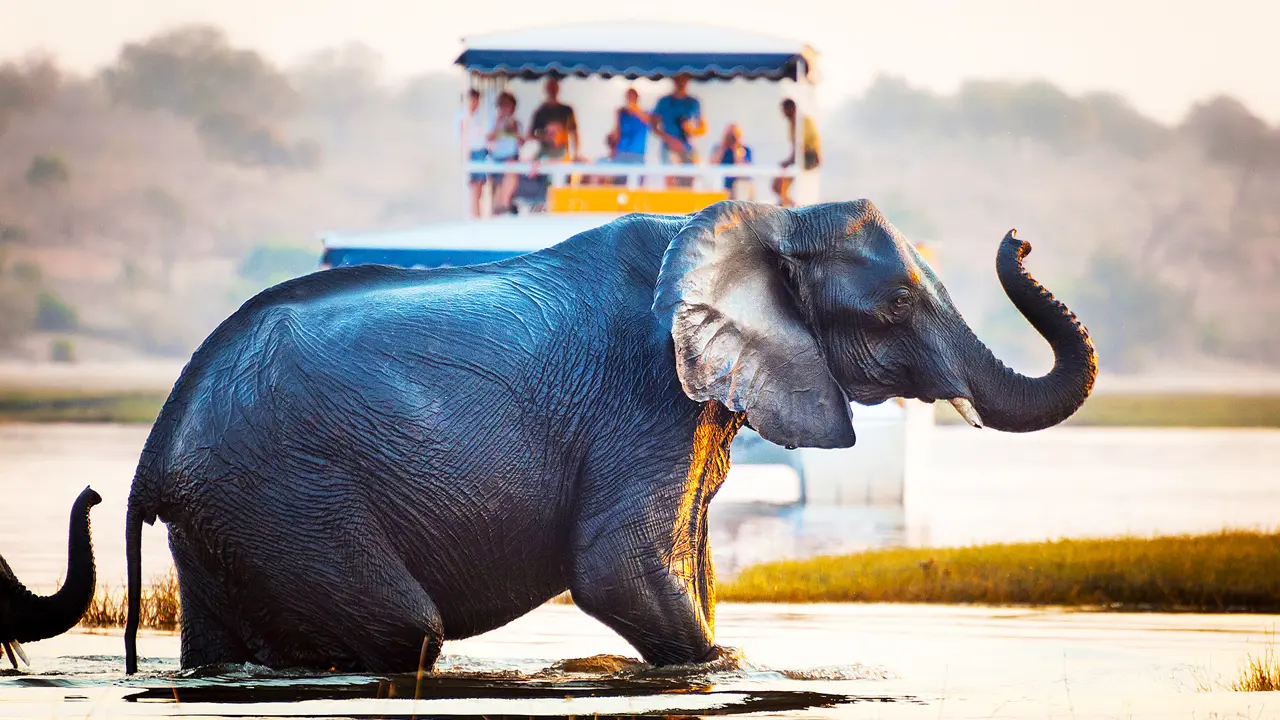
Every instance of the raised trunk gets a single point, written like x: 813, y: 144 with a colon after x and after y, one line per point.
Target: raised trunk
x: 32, y: 617
x: 1010, y: 401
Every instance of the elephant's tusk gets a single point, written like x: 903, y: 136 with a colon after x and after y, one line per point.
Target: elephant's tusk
x: 9, y: 651
x: 17, y: 646
x: 965, y: 408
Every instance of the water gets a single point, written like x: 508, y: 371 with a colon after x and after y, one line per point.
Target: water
x: 829, y: 661
x: 986, y: 487
x: 798, y: 661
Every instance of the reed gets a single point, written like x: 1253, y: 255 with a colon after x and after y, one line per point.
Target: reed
x: 1260, y: 672
x: 160, y: 606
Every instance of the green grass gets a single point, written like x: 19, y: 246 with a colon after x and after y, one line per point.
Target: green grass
x: 41, y: 405
x: 1163, y: 410
x: 1225, y: 572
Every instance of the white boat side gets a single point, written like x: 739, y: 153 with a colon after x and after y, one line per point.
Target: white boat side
x: 524, y: 233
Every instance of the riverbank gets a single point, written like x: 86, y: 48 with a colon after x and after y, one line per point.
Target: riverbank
x: 1130, y: 409
x: 1229, y: 572
x: 1222, y: 572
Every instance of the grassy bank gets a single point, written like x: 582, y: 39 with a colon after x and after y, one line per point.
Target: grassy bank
x: 1110, y: 410
x: 1223, y: 572
x: 70, y: 405
x: 1224, y: 410
x: 1226, y: 572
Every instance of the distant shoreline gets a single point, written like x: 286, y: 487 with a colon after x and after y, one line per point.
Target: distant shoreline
x: 134, y: 392
x: 1186, y: 410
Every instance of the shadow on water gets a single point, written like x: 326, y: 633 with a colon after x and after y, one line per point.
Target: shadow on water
x: 701, y: 691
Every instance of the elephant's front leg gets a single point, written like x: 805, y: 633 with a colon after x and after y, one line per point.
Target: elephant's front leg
x: 646, y: 573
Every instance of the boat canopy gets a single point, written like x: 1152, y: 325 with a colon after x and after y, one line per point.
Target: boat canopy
x: 653, y: 50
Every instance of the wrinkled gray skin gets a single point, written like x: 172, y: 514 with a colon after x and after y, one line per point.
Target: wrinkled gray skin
x: 366, y: 461
x: 27, y: 617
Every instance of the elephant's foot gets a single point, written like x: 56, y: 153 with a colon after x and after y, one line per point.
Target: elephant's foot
x: 728, y: 657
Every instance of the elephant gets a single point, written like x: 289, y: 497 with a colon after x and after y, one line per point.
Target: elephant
x: 364, y: 462
x: 27, y: 617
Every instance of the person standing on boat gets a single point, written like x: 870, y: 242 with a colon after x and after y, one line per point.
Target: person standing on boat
x: 732, y: 151
x: 505, y: 140
x: 552, y: 111
x: 676, y: 120
x: 631, y: 130
x: 812, y: 150
x: 473, y: 127
x: 628, y: 142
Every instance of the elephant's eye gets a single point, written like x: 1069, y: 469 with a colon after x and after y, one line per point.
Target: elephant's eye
x: 899, y: 304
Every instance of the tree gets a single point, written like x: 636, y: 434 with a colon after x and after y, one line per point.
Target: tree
x: 340, y: 84
x: 27, y: 84
x: 1132, y: 313
x: 193, y: 71
x: 170, y: 216
x: 235, y: 96
x: 1124, y: 128
x: 47, y: 174
x: 47, y: 171
x: 1233, y: 136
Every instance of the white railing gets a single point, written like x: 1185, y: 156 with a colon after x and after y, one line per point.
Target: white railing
x: 706, y: 177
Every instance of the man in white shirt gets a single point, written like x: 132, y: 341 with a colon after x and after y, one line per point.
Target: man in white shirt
x: 473, y: 127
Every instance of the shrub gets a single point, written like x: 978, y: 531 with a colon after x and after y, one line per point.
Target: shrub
x: 62, y: 350
x: 47, y: 170
x: 54, y: 314
x: 28, y: 272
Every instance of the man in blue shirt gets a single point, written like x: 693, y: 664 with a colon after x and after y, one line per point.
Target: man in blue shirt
x: 676, y: 120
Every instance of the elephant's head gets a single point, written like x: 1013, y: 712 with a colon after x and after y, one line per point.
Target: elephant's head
x: 788, y: 315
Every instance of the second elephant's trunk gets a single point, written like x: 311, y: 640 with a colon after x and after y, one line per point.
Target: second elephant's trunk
x: 33, y: 617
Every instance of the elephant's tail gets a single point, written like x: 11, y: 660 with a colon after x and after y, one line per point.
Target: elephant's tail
x: 133, y: 552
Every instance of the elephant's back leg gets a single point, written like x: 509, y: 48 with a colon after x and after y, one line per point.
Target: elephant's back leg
x: 206, y: 638
x: 319, y: 584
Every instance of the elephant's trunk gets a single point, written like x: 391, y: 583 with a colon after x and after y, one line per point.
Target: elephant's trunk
x: 34, y: 617
x: 1009, y: 401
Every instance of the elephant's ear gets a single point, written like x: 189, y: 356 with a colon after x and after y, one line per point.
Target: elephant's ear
x: 739, y: 337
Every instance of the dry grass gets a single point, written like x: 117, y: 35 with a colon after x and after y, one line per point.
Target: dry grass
x: 1257, y: 672
x: 1261, y: 672
x: 160, y: 606
x: 1224, y: 572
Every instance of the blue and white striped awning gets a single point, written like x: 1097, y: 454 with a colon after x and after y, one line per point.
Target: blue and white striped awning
x: 637, y: 50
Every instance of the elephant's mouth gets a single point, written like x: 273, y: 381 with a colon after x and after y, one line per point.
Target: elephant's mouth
x: 874, y: 395
x: 871, y: 394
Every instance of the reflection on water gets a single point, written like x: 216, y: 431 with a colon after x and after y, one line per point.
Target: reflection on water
x: 984, y: 487
x: 825, y: 661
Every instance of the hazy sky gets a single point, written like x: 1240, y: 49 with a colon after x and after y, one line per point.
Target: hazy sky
x: 1163, y: 55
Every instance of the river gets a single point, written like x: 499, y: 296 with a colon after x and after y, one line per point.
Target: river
x: 841, y: 661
